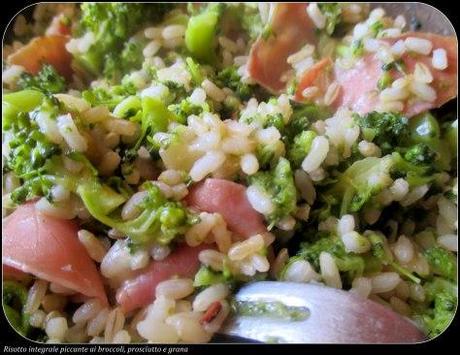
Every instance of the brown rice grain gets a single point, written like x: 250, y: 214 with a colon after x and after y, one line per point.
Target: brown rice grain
x: 115, y: 323
x: 93, y: 246
x: 87, y: 311
x: 97, y: 324
x: 241, y: 250
x: 35, y: 296
x: 52, y: 302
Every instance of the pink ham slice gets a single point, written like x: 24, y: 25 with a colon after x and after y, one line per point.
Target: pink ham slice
x: 229, y: 199
x: 140, y: 290
x: 48, y: 248
x: 291, y: 28
x: 359, y: 83
x: 10, y: 273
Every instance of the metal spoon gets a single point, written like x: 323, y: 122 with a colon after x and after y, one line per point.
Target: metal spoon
x: 287, y: 312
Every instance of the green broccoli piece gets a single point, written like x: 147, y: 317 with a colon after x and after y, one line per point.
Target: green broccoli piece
x: 425, y: 129
x: 251, y: 21
x: 110, y: 96
x: 28, y: 149
x: 195, y: 71
x: 386, y: 129
x: 47, y: 81
x: 356, y: 187
x: 442, y: 262
x: 14, y: 300
x: 332, y: 12
x: 185, y: 108
x: 201, y: 33
x: 207, y: 277
x: 420, y: 154
x: 112, y: 24
x: 159, y: 220
x: 131, y: 58
x: 302, y: 116
x: 230, y: 78
x: 437, y: 312
x: 415, y: 174
x: 300, y: 147
x: 350, y: 264
x: 451, y: 135
x: 279, y: 184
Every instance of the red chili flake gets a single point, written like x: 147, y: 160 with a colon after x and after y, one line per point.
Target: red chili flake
x: 211, y: 312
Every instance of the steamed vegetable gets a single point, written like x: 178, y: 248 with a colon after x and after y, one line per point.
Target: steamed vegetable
x: 442, y: 262
x: 332, y: 12
x: 279, y: 185
x: 201, y: 33
x: 158, y: 220
x: 357, y: 185
x: 230, y: 78
x: 112, y: 24
x: 387, y: 129
x: 14, y: 300
x: 47, y: 80
x: 349, y: 264
x: 300, y: 147
x: 439, y: 307
x: 28, y: 150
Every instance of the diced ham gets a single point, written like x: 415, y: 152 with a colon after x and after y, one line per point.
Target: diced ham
x: 49, y: 248
x: 229, y: 199
x: 290, y: 29
x: 45, y: 49
x: 10, y: 273
x: 140, y: 290
x: 359, y: 83
x: 318, y: 75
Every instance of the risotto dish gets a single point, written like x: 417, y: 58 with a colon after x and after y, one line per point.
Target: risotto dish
x: 156, y: 157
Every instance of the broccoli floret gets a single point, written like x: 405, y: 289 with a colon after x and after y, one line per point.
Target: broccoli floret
x: 131, y: 58
x: 386, y: 129
x: 207, y: 277
x: 332, y: 12
x: 420, y: 154
x: 302, y: 116
x: 29, y: 150
x: 251, y: 21
x: 201, y: 33
x: 299, y: 149
x: 440, y: 305
x: 442, y: 262
x: 350, y: 264
x: 230, y: 78
x: 185, y: 108
x: 415, y: 174
x: 355, y: 187
x: 14, y: 300
x: 47, y: 80
x: 159, y: 220
x: 108, y: 96
x: 279, y: 185
x: 112, y: 24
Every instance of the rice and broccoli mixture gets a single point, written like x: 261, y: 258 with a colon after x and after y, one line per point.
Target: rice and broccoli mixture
x: 154, y: 164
